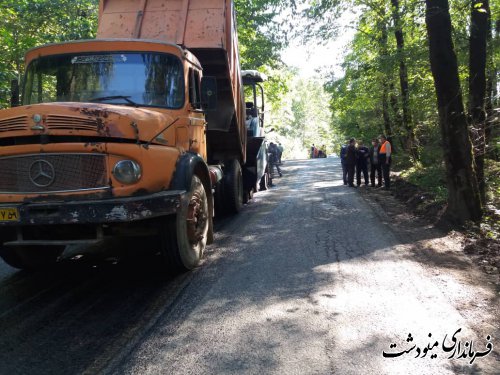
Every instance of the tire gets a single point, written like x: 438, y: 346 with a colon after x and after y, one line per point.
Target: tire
x: 248, y: 195
x: 31, y: 258
x: 183, y: 237
x: 233, y: 187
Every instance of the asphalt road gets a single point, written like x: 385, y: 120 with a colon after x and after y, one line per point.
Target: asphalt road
x: 310, y: 278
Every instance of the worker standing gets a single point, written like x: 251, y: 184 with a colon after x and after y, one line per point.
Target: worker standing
x: 343, y: 154
x: 385, y: 160
x: 362, y: 160
x: 351, y: 161
x: 280, y: 152
x: 375, y: 167
x: 273, y: 159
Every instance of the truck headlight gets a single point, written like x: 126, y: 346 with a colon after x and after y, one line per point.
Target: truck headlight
x: 127, y: 171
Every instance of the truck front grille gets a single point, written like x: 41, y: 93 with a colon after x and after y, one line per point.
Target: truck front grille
x: 14, y: 124
x: 48, y: 173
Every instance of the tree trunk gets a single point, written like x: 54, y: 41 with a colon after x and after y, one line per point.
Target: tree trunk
x: 398, y: 120
x: 385, y: 80
x: 464, y: 202
x: 385, y: 108
x: 411, y: 144
x: 492, y: 101
x: 480, y: 19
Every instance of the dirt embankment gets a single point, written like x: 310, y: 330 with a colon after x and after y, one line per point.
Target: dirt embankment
x: 482, y: 244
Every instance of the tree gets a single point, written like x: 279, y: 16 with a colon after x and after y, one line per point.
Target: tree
x: 479, y: 30
x: 464, y: 202
x: 385, y: 78
x: 492, y: 97
x: 410, y: 141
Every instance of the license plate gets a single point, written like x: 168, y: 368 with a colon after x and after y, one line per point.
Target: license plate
x: 9, y: 214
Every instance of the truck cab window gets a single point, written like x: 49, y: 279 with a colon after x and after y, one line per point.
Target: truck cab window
x: 46, y: 87
x: 152, y: 79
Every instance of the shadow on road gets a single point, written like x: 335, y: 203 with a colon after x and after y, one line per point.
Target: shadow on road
x: 266, y: 296
x: 64, y: 319
x: 92, y: 316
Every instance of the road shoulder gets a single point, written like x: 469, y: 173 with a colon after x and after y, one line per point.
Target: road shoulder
x: 442, y: 253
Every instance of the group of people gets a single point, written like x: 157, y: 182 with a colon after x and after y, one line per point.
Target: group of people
x: 317, y: 152
x: 357, y: 158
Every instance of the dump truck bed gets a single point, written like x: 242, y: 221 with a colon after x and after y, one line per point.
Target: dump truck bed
x: 208, y: 29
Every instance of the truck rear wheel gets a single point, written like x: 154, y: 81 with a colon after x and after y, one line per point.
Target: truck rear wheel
x: 233, y: 187
x: 184, y: 236
x: 264, y: 181
x: 251, y: 193
x: 248, y: 195
x: 30, y: 257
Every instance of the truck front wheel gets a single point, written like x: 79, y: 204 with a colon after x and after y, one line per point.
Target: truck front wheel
x: 30, y: 257
x: 184, y: 236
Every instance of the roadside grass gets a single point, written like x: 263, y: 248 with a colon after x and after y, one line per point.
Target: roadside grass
x: 490, y: 225
x: 492, y: 177
x: 429, y: 178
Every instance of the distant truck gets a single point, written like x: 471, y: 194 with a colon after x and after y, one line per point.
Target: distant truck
x: 141, y: 132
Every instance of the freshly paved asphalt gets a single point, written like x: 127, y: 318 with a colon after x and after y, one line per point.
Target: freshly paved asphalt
x: 308, y: 279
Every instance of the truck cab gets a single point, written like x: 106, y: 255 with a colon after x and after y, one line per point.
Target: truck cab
x: 97, y: 147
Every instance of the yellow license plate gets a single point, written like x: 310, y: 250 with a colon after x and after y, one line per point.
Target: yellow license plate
x: 9, y: 214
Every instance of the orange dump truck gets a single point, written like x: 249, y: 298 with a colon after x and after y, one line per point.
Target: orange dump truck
x: 140, y: 132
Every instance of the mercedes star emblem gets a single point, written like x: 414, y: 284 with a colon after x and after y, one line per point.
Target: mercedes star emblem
x: 42, y: 173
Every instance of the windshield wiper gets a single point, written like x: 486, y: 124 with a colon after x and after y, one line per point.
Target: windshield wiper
x: 104, y: 98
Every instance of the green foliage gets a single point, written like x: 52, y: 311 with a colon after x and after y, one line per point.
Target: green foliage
x: 25, y: 24
x: 322, y: 16
x: 259, y: 35
x: 431, y: 179
x: 490, y: 225
x: 302, y: 117
x: 492, y: 173
x: 357, y: 97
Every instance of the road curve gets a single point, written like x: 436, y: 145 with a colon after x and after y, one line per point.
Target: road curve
x: 309, y: 279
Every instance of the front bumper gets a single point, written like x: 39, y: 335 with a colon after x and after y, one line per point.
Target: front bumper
x: 119, y: 210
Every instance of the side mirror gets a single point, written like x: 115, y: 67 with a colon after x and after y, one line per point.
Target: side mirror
x: 209, y: 93
x: 14, y: 93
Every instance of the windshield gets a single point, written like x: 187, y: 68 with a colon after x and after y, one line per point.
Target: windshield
x: 145, y: 79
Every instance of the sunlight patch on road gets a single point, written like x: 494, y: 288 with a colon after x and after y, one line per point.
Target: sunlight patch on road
x: 327, y: 184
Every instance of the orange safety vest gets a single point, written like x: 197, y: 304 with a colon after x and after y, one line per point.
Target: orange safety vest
x: 383, y: 148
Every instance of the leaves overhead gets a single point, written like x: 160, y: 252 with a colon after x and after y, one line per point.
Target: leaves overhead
x: 25, y: 24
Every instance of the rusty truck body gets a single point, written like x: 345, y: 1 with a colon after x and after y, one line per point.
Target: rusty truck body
x: 140, y: 132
